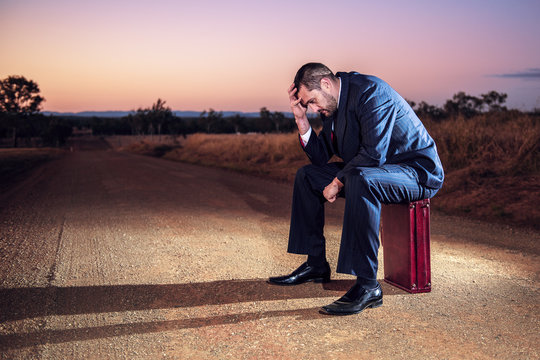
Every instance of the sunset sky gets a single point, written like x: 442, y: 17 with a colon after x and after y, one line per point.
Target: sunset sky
x: 242, y: 55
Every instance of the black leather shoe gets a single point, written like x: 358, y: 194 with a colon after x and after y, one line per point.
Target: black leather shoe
x: 304, y: 274
x: 355, y: 300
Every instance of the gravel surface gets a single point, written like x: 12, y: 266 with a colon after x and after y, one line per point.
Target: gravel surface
x: 109, y: 255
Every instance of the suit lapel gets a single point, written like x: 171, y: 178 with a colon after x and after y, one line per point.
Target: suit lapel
x: 327, y: 130
x: 341, y: 120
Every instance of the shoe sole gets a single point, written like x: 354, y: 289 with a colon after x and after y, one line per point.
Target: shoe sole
x: 373, y: 305
x: 315, y: 280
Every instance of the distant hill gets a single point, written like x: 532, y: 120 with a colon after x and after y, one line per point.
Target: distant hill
x: 89, y: 113
x: 113, y: 114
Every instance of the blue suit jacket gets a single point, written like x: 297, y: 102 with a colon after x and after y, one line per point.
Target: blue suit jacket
x: 374, y: 126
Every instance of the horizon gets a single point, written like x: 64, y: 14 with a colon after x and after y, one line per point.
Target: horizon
x: 75, y: 113
x: 233, y: 56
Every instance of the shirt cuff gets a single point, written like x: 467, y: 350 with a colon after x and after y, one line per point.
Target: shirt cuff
x: 306, y: 136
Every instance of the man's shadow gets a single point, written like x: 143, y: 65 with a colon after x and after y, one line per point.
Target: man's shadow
x: 27, y: 303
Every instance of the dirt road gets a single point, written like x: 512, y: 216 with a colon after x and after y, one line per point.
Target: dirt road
x: 108, y: 255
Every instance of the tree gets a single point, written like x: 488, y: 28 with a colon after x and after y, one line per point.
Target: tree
x: 273, y: 121
x: 56, y: 132
x: 426, y: 110
x: 160, y: 115
x: 463, y: 104
x: 150, y: 118
x: 208, y: 120
x: 264, y: 123
x: 238, y: 122
x: 282, y: 123
x: 494, y: 100
x: 19, y: 98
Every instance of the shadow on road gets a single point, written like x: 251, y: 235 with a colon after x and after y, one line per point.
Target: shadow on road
x: 18, y: 341
x: 26, y: 303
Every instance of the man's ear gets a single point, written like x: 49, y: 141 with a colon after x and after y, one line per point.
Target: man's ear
x: 325, y: 84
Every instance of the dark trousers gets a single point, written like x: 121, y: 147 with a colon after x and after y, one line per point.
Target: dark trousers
x: 365, y: 189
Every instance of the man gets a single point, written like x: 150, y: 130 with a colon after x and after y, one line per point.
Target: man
x: 388, y: 157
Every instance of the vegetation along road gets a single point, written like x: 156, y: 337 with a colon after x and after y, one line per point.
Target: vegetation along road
x: 105, y: 254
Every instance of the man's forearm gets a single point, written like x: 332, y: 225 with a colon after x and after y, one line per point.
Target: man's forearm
x: 303, y: 125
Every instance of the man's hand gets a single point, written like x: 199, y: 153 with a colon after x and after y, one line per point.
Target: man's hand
x: 299, y: 111
x: 332, y: 190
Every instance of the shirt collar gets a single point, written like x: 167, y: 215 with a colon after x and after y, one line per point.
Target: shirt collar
x: 339, y: 97
x: 339, y: 94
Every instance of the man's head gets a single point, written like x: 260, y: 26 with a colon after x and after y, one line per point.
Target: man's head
x: 317, y: 88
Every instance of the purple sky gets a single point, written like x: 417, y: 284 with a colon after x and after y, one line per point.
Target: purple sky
x: 242, y: 55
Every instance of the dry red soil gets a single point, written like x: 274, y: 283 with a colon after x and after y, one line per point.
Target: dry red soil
x: 109, y: 255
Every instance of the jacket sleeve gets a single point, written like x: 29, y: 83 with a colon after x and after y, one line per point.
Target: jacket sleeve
x: 318, y: 150
x: 376, y: 114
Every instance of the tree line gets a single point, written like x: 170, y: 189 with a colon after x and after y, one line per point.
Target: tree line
x: 462, y: 104
x: 20, y: 117
x: 21, y: 120
x: 159, y: 119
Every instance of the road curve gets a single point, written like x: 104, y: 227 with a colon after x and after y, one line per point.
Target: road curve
x: 108, y: 255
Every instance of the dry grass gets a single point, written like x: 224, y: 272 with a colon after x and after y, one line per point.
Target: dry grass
x: 491, y: 163
x: 122, y: 141
x: 492, y: 167
x: 501, y: 143
x: 274, y: 155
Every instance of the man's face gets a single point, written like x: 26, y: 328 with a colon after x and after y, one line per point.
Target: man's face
x: 318, y: 100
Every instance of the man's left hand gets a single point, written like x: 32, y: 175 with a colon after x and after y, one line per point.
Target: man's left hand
x: 332, y: 190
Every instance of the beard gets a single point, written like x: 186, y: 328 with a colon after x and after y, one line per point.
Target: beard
x: 331, y: 105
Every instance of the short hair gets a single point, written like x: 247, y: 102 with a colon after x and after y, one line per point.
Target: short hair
x: 310, y: 76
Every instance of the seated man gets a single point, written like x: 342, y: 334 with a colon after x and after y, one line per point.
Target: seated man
x: 388, y: 157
